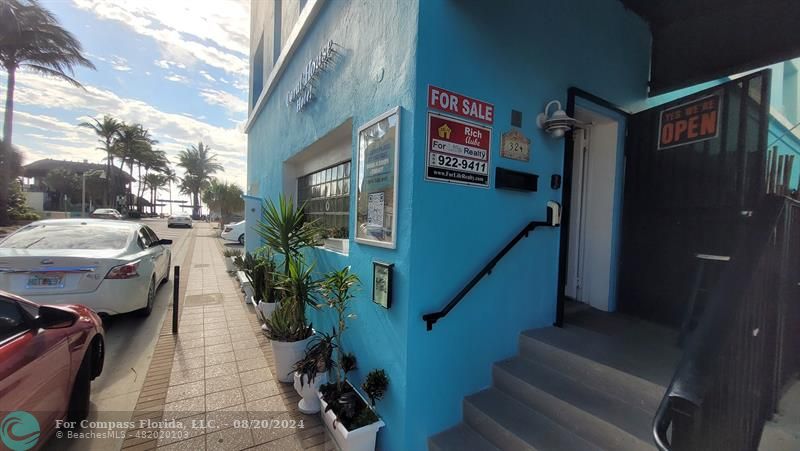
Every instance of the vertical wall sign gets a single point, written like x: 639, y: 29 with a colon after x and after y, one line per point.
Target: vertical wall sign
x: 376, y: 204
x: 691, y: 122
x: 457, y: 151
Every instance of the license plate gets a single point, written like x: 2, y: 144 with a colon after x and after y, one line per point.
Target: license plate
x: 46, y: 280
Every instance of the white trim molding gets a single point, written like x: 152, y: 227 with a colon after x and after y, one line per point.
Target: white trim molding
x: 303, y: 25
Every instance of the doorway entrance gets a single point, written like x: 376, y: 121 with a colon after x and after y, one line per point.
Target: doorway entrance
x: 596, y: 205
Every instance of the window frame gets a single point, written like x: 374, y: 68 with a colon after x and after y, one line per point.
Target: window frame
x: 343, y: 247
x: 395, y: 174
x: 26, y: 323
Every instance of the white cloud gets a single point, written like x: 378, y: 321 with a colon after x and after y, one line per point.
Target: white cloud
x: 177, y: 78
x: 224, y: 99
x: 164, y: 64
x: 207, y: 76
x: 120, y: 64
x: 215, y: 33
x: 174, y: 131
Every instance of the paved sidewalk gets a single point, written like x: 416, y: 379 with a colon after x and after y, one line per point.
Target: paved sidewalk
x: 212, y: 386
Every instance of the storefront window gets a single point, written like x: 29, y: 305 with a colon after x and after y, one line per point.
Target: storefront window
x: 326, y: 195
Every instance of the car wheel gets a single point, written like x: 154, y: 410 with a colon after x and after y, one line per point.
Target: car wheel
x: 151, y: 297
x: 169, y: 226
x: 241, y: 239
x: 81, y: 390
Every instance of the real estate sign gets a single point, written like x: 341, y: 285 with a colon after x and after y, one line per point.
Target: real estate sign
x: 457, y: 151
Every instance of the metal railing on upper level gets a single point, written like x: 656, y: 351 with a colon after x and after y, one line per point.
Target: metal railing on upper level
x: 740, y: 356
x: 553, y: 214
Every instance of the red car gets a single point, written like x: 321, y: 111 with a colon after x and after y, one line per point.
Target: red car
x: 48, y: 357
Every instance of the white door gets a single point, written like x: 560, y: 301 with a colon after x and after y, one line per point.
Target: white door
x: 591, y: 264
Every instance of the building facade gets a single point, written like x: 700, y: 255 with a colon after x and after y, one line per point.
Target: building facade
x: 441, y: 98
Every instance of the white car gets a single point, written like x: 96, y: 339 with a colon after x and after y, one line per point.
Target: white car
x: 110, y: 266
x: 234, y: 232
x: 179, y: 221
x: 106, y: 213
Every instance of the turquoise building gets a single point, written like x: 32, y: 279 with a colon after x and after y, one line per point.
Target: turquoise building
x: 410, y: 130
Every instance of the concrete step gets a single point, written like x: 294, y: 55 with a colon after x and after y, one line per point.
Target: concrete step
x: 459, y: 438
x: 629, y: 370
x: 510, y: 425
x: 588, y: 412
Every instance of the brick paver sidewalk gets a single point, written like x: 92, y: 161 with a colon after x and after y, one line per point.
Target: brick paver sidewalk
x: 212, y: 386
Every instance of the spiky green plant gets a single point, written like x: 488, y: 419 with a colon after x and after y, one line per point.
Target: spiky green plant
x: 285, y: 229
x: 298, y: 290
x: 338, y: 289
x: 283, y: 326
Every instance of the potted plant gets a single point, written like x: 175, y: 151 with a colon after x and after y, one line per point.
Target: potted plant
x: 230, y: 257
x: 287, y: 329
x: 245, y: 266
x: 335, y: 239
x: 284, y: 229
x: 312, y: 371
x: 350, y: 420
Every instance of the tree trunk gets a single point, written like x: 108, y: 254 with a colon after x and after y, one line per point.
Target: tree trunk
x: 109, y: 163
x: 9, y: 113
x: 5, y: 150
x: 196, y: 206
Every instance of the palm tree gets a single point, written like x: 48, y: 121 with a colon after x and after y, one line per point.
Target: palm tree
x: 199, y: 165
x: 31, y: 38
x: 224, y: 197
x: 153, y: 182
x: 107, y: 132
x: 193, y: 185
x: 11, y: 160
x: 169, y: 178
x: 125, y: 148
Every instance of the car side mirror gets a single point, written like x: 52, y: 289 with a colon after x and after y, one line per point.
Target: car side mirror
x: 162, y: 242
x: 55, y: 318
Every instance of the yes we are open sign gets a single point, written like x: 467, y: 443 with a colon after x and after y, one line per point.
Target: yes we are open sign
x: 690, y: 122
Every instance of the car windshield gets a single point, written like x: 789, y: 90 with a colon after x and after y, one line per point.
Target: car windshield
x: 72, y: 236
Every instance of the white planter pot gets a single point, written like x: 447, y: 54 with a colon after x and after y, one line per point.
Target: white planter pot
x: 308, y: 391
x: 341, y: 245
x: 286, y: 354
x: 241, y: 276
x: 229, y: 266
x: 248, y: 291
x: 361, y: 439
x: 266, y: 309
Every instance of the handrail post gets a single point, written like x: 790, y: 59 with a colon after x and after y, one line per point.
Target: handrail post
x: 176, y: 283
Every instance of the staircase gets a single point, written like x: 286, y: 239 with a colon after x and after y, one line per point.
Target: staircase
x: 593, y: 385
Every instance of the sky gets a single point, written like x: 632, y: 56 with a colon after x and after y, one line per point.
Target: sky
x: 178, y: 67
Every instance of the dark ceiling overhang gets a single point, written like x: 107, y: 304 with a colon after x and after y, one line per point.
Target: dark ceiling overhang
x: 700, y: 40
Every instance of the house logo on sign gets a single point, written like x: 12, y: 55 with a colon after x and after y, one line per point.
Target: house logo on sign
x: 444, y: 132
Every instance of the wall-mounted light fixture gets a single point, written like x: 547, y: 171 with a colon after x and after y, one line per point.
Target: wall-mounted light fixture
x: 556, y: 124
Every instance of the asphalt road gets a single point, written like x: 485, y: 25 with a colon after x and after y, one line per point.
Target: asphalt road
x: 130, y: 341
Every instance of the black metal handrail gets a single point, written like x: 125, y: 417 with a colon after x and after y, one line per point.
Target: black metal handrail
x: 715, y: 400
x: 431, y: 318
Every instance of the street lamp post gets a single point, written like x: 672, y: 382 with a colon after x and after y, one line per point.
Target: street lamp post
x: 83, y: 194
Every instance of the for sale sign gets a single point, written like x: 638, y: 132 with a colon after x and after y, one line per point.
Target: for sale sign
x: 689, y: 123
x: 457, y: 151
x: 459, y: 105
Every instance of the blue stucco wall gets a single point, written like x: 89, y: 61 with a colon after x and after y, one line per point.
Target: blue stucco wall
x: 372, y: 38
x: 516, y: 55
x: 787, y: 143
